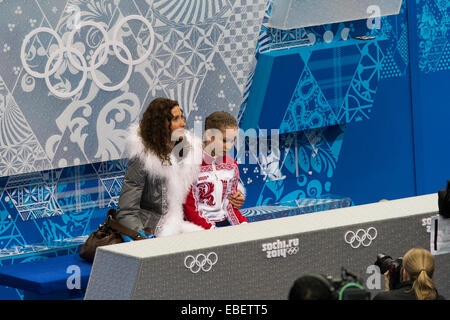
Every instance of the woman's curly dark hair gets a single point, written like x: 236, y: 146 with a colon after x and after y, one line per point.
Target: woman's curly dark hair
x: 154, y: 127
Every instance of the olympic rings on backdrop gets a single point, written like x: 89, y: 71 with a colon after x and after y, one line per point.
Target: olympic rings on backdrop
x: 200, y: 262
x: 60, y: 52
x: 130, y: 66
x: 70, y: 42
x: 23, y: 55
x: 150, y: 46
x: 84, y: 66
x: 361, y: 237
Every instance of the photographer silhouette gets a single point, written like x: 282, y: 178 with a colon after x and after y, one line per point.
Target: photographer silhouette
x: 321, y: 287
x: 415, y: 278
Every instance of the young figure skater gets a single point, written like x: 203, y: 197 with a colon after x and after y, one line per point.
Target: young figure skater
x: 208, y: 203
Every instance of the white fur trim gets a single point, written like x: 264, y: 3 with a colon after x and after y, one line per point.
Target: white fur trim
x: 179, y: 176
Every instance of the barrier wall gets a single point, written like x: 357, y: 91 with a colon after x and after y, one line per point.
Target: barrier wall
x: 244, y: 263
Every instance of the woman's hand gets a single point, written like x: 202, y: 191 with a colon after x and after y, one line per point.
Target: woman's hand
x: 386, y: 281
x: 237, y: 200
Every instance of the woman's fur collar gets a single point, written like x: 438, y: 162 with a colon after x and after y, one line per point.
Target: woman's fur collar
x: 178, y: 177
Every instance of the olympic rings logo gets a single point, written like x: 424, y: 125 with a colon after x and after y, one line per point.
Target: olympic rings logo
x: 293, y: 250
x: 201, y: 262
x: 101, y: 53
x: 361, y: 237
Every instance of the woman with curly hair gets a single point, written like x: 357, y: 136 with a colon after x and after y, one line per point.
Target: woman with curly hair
x: 164, y: 161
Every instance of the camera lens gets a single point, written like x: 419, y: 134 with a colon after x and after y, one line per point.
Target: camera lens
x: 383, y: 262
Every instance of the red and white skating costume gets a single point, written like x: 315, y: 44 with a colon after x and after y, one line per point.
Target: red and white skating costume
x: 207, y: 202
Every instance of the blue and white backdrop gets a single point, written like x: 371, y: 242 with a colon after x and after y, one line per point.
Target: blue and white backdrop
x: 66, y: 101
x: 360, y: 119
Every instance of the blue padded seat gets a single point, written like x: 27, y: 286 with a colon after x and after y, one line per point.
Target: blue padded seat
x: 47, y: 277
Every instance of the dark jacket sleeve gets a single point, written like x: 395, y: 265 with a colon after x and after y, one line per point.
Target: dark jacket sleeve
x: 128, y: 213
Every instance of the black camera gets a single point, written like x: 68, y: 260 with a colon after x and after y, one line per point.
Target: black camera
x: 444, y: 201
x: 386, y: 263
x: 348, y: 287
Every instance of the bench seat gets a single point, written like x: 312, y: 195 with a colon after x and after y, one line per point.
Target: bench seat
x: 47, y: 278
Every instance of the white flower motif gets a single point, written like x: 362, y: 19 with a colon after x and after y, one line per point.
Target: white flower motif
x: 11, y: 26
x: 89, y: 56
x: 210, y: 66
x: 6, y: 48
x: 16, y: 70
x: 18, y: 10
x: 32, y: 22
x: 221, y: 94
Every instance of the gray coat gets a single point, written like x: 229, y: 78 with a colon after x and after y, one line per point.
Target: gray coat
x: 153, y: 193
x: 143, y: 198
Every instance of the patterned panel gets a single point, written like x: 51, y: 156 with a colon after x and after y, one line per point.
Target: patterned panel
x: 56, y: 205
x: 361, y: 93
x: 52, y: 212
x: 189, y: 12
x: 338, y: 85
x: 301, y: 168
x: 239, y: 40
x: 66, y: 101
x: 262, y: 45
x: 293, y: 208
x: 19, y: 149
x: 434, y: 33
x: 308, y: 108
x: 396, y: 48
x: 304, y: 13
